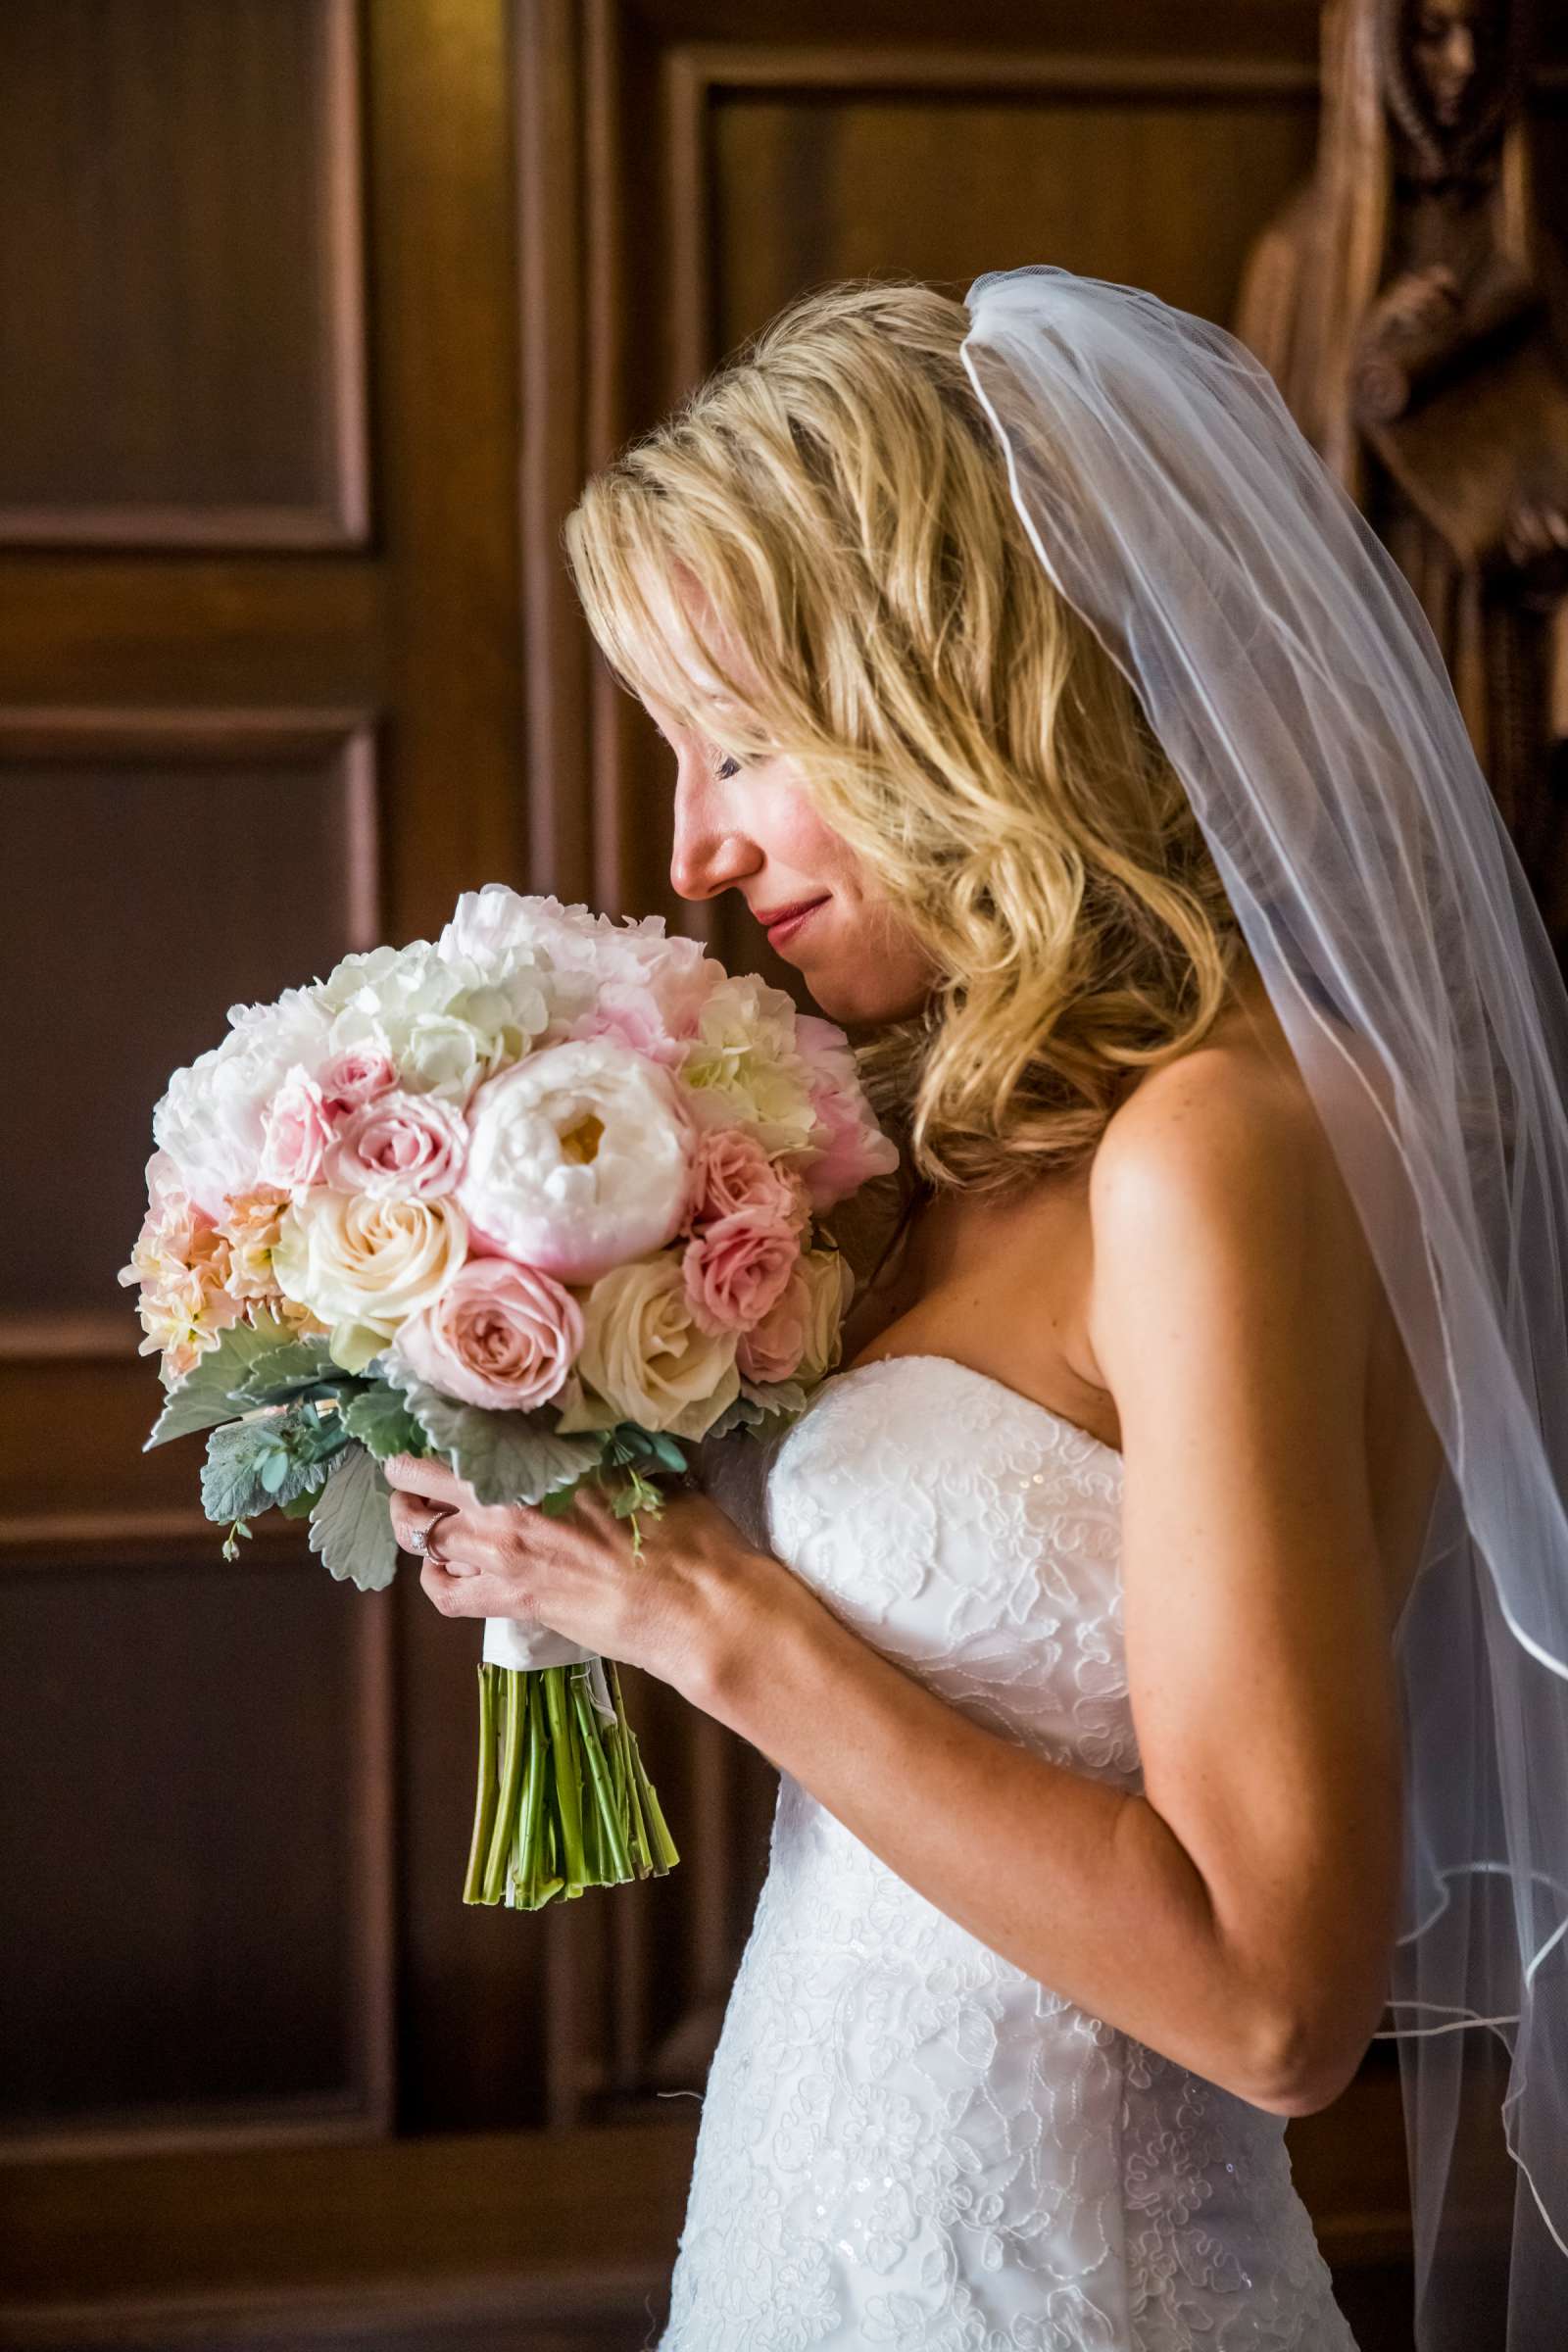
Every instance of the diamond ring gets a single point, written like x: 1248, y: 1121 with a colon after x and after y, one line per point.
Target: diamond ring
x: 419, y: 1539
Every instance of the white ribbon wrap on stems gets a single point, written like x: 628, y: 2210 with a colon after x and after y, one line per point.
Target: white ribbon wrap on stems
x: 508, y: 1641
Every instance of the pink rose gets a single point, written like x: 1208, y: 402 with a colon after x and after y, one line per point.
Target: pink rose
x: 737, y: 1268
x: 732, y: 1172
x: 800, y: 1337
x: 500, y: 1335
x: 853, y: 1145
x: 399, y: 1147
x: 773, y: 1350
x: 296, y: 1129
x: 356, y: 1075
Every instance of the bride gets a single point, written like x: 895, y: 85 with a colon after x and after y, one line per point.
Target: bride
x: 1125, y: 1614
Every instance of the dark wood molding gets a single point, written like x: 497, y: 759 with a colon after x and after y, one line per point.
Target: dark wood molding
x: 945, y: 72
x: 343, y: 519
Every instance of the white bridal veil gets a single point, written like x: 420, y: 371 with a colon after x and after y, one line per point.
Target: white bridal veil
x: 1290, y: 675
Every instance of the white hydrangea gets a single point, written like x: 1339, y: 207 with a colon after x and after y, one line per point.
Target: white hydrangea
x: 744, y: 1067
x: 449, y: 1021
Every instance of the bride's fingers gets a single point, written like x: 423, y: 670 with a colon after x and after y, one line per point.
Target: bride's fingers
x: 437, y: 1526
x: 427, y: 1477
x: 408, y: 1517
x: 468, y: 1592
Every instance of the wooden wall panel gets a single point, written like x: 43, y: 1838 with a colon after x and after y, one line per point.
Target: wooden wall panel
x: 141, y: 853
x: 160, y: 155
x: 838, y: 181
x: 185, y: 1745
x: 246, y: 642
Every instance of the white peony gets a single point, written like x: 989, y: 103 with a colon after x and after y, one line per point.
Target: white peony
x: 578, y: 1160
x: 210, y: 1118
x: 584, y: 959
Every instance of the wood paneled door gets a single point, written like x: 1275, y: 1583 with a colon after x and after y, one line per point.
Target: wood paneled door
x: 313, y: 316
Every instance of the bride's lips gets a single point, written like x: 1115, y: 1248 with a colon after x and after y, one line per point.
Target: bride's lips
x: 782, y: 922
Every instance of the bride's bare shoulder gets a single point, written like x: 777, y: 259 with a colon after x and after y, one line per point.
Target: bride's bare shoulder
x: 1214, y: 1133
x: 1241, y: 1066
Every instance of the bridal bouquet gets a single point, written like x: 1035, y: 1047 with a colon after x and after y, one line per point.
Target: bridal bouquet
x: 542, y: 1199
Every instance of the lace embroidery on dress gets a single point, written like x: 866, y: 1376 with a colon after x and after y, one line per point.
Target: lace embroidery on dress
x: 907, y: 2143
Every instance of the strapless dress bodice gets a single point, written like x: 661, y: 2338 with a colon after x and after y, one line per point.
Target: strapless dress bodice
x: 907, y: 2142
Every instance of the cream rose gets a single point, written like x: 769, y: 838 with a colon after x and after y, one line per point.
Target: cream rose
x: 829, y: 1282
x: 647, y: 1357
x: 365, y: 1265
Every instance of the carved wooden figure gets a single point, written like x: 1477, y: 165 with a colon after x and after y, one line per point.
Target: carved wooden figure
x: 1412, y: 310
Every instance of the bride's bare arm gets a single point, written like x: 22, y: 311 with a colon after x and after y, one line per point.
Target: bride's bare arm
x: 1238, y: 1915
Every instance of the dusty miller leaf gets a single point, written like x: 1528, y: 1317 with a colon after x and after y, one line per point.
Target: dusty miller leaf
x: 755, y: 1406
x: 209, y: 1392
x: 283, y: 1373
x: 231, y: 1480
x: 380, y: 1419
x: 351, y: 1526
x: 506, y: 1457
x: 264, y: 1461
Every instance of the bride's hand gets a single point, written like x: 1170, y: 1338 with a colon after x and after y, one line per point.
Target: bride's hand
x: 668, y: 1609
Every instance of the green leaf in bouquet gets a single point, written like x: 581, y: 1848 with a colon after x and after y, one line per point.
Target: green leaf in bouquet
x: 350, y: 1525
x: 265, y: 1459
x: 289, y: 1370
x: 628, y: 1441
x: 209, y: 1392
x: 506, y: 1457
x: 381, y: 1421
x: 301, y: 1505
x: 560, y: 1499
x: 232, y: 1475
x: 755, y: 1404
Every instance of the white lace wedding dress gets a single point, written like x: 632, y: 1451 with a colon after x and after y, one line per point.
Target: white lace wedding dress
x: 906, y: 2141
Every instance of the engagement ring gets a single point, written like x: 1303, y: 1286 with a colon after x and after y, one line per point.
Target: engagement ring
x: 419, y: 1539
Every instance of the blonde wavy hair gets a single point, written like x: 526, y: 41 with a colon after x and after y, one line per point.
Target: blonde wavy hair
x: 838, y: 498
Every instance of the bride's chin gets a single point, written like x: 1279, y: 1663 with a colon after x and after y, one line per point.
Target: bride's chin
x: 853, y: 1000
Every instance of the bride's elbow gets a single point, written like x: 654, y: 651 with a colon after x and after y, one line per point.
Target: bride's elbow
x: 1302, y: 2062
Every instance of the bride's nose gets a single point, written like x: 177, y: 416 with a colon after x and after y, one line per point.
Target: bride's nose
x: 709, y: 853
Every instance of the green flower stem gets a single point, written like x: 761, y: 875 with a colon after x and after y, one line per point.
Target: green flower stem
x: 562, y: 1801
x: 514, y: 1710
x: 615, y: 1863
x: 567, y: 1779
x: 664, y: 1854
x: 484, y: 1802
x: 535, y: 1879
